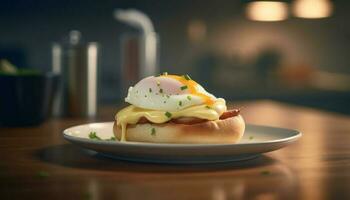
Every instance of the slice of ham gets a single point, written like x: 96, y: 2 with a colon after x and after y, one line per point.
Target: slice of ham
x: 188, y: 120
x: 143, y: 120
x: 194, y: 120
x: 230, y: 113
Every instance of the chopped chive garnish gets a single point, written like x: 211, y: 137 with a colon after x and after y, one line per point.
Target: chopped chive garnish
x: 153, y: 131
x: 167, y: 96
x: 189, y: 98
x: 164, y: 101
x: 184, y: 87
x: 265, y: 172
x: 87, y: 196
x: 168, y: 114
x: 180, y: 103
x: 145, y: 96
x: 150, y: 90
x: 251, y: 137
x: 92, y: 135
x: 187, y: 77
x: 43, y: 174
x: 165, y: 73
x: 208, y: 107
x: 160, y: 90
x: 111, y: 139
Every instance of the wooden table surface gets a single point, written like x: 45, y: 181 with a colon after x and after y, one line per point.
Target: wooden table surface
x: 36, y: 163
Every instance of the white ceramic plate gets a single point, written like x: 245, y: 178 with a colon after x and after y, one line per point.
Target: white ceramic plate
x: 256, y: 140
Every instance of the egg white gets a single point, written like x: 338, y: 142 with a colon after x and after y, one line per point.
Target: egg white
x: 162, y: 93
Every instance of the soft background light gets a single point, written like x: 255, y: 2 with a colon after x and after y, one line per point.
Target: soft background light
x: 298, y: 60
x: 197, y: 30
x: 267, y: 11
x: 312, y: 8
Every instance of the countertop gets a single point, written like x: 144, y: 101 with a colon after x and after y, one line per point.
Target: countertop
x: 37, y: 163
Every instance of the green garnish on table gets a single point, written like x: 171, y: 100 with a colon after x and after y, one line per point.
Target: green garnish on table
x: 42, y: 174
x: 265, y: 172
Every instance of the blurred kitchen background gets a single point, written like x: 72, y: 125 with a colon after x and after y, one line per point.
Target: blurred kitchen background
x: 291, y: 51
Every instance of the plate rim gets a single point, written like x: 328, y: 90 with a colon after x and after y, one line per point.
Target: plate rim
x: 296, y: 136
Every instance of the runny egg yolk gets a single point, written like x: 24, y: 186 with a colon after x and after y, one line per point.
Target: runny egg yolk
x: 191, y: 85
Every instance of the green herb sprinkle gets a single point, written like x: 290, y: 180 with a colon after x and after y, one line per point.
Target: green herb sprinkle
x: 187, y: 77
x: 111, y: 139
x: 184, y: 87
x: 153, y: 131
x: 93, y: 136
x: 168, y: 114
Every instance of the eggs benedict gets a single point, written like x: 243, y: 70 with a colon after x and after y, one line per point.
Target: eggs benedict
x: 176, y: 109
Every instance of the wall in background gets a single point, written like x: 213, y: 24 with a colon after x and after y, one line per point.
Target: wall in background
x: 210, y: 40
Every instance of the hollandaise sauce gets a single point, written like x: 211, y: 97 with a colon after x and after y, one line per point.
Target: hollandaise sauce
x: 132, y: 114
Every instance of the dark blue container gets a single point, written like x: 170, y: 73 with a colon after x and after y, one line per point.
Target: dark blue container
x: 26, y: 99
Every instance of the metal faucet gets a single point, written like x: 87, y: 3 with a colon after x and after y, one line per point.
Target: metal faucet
x: 140, y: 53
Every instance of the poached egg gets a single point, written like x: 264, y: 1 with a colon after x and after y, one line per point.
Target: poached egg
x: 168, y: 93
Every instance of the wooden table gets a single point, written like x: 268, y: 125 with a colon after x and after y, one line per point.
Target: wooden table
x: 36, y: 163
